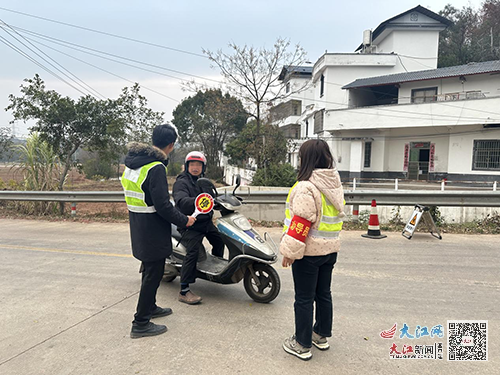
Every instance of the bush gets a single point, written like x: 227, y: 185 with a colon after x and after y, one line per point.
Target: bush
x: 436, y: 215
x: 98, y: 167
x: 275, y: 175
x: 40, y: 167
x: 174, y: 169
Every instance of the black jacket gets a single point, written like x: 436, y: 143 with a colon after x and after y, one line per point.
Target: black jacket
x: 185, y: 192
x: 151, y: 232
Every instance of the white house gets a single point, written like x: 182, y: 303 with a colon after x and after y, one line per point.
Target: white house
x: 386, y: 110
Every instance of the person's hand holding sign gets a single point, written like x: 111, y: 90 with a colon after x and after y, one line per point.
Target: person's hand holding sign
x: 191, y: 220
x: 203, y: 204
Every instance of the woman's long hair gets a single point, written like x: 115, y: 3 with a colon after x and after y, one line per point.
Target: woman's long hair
x: 314, y: 154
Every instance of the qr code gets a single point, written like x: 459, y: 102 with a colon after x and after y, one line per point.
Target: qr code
x: 467, y: 340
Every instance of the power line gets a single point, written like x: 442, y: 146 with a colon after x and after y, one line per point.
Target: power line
x: 53, y: 40
x: 106, y: 71
x: 22, y: 53
x: 106, y: 33
x: 159, y: 67
x: 401, y: 61
x: 83, y: 85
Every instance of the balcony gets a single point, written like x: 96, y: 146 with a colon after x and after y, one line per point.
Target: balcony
x: 444, y: 111
x: 460, y: 96
x: 286, y: 113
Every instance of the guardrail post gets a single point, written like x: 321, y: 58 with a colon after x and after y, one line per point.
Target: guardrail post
x: 355, y: 213
x: 495, y: 186
x: 442, y: 185
x: 73, y: 209
x: 396, y: 184
x: 354, y: 183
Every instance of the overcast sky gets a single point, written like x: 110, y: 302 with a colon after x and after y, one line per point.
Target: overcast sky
x: 187, y: 25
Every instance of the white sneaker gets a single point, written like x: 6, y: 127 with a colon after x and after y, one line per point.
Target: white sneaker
x: 291, y: 346
x: 320, y: 342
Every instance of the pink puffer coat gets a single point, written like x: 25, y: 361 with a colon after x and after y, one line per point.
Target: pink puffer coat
x: 305, y: 201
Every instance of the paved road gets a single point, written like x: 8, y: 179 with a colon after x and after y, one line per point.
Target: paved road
x: 68, y: 292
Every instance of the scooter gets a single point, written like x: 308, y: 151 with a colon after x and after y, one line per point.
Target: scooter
x: 250, y: 255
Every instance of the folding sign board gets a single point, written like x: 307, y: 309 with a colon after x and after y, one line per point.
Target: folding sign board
x: 421, y: 213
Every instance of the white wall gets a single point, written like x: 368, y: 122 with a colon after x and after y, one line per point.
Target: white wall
x: 489, y: 84
x: 449, y: 113
x: 388, y: 148
x: 461, y: 149
x: 230, y: 171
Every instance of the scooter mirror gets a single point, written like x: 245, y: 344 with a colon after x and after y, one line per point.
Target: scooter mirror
x: 238, y: 183
x: 206, y: 185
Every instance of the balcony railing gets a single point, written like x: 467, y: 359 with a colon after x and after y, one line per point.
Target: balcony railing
x: 459, y: 96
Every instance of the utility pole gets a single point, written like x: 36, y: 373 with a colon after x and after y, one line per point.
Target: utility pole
x: 491, y: 35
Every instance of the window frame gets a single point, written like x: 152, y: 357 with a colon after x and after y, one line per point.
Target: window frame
x: 475, y: 155
x: 433, y: 97
x: 367, y: 162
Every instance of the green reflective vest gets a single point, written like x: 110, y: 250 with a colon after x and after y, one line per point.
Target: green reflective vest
x: 132, y: 180
x: 330, y: 223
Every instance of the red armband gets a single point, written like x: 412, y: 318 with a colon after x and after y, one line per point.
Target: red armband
x: 299, y: 228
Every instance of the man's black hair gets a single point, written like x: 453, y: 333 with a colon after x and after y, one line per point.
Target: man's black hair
x: 163, y: 135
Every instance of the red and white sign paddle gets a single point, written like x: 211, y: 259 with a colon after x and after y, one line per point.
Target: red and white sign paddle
x: 203, y: 204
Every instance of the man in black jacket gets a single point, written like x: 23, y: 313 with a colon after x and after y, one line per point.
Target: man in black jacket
x: 150, y: 212
x: 185, y: 192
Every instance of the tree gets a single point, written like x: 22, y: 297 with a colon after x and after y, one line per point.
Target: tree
x: 210, y: 119
x: 458, y: 43
x: 67, y: 124
x: 273, y: 150
x: 474, y: 36
x: 489, y: 30
x: 5, y: 141
x: 283, y: 175
x: 252, y: 75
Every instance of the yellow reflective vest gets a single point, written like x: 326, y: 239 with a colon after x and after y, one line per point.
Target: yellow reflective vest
x: 132, y: 180
x: 330, y: 224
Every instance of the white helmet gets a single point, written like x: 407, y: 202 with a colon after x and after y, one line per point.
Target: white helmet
x: 195, y: 156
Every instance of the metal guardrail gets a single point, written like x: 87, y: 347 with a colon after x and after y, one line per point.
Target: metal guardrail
x: 357, y: 197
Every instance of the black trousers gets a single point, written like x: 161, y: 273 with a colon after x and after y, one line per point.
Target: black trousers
x: 312, y: 277
x: 193, y: 241
x: 151, y: 277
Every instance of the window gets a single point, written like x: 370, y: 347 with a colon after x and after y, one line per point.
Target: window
x: 288, y: 87
x: 424, y: 95
x: 296, y: 109
x: 322, y: 86
x: 318, y: 121
x: 368, y: 154
x: 486, y: 155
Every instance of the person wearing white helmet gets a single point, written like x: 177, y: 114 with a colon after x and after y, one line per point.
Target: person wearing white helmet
x: 185, y: 192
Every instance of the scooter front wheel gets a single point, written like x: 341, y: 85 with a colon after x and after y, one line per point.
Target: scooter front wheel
x: 264, y: 284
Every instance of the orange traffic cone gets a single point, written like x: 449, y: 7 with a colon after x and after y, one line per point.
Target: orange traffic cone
x: 373, y: 224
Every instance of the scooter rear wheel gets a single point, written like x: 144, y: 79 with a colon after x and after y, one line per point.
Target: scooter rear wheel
x: 169, y: 278
x: 269, y: 280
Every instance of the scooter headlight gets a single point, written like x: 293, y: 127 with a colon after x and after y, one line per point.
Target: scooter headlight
x: 242, y: 223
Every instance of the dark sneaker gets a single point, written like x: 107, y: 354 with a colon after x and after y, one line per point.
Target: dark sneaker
x: 291, y: 346
x: 320, y: 342
x: 160, y: 311
x: 190, y: 298
x: 149, y: 329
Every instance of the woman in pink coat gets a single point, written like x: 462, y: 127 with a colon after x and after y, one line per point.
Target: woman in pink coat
x: 310, y: 242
